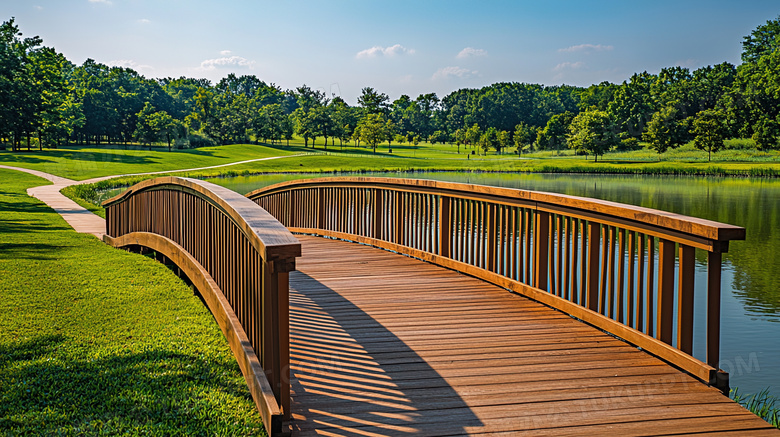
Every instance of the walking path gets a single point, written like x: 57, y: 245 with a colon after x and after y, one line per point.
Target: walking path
x: 81, y: 219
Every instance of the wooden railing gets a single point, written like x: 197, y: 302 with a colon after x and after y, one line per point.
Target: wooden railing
x: 239, y: 258
x: 627, y: 270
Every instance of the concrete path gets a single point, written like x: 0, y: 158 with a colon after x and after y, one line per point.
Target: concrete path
x: 80, y: 218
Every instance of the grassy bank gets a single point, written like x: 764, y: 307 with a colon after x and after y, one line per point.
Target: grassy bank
x: 84, y: 163
x: 81, y: 163
x: 98, y: 341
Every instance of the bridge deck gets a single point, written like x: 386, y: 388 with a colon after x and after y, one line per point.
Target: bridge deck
x: 382, y: 344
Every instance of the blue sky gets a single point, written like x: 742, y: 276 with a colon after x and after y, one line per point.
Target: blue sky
x: 397, y: 47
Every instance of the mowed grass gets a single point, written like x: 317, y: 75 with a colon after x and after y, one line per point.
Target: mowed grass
x: 79, y: 163
x: 82, y: 163
x: 95, y: 340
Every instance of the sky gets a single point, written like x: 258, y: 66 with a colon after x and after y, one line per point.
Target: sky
x: 396, y: 47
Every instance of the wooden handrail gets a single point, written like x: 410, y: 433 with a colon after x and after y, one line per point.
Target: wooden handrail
x: 593, y: 259
x: 237, y: 255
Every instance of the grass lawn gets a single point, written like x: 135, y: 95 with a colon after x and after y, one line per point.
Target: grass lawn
x: 94, y: 340
x: 81, y: 163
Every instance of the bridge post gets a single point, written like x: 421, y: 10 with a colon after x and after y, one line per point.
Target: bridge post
x: 541, y: 248
x: 320, y: 208
x: 379, y: 213
x: 714, y: 266
x: 664, y: 322
x: 492, y: 230
x: 275, y: 352
x: 445, y: 227
x: 594, y: 235
x: 685, y: 299
x: 291, y: 209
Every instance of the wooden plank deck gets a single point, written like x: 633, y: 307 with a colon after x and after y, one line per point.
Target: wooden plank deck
x: 383, y: 344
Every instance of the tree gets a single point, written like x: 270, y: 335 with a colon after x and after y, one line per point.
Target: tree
x: 764, y: 40
x: 304, y: 125
x: 664, y: 131
x: 389, y: 131
x: 766, y: 134
x: 633, y: 105
x: 372, y: 101
x: 472, y: 135
x: 371, y: 129
x: 504, y: 139
x: 322, y: 122
x: 524, y: 136
x: 709, y: 130
x: 593, y: 132
x: 553, y: 136
x: 489, y: 140
x: 439, y: 137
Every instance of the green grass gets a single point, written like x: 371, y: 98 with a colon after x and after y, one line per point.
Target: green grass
x: 95, y: 340
x: 81, y: 163
x: 762, y: 404
x: 739, y: 159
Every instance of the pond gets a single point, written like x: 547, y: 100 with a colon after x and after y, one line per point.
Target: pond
x: 750, y: 339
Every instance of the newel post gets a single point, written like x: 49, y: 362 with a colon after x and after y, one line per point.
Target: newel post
x: 714, y: 266
x: 275, y: 354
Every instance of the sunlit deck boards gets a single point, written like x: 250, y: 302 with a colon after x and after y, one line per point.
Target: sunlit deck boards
x: 382, y: 344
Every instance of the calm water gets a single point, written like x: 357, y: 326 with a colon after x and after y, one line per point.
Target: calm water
x: 750, y: 339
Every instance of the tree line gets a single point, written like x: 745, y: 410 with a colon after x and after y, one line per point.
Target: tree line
x: 46, y: 100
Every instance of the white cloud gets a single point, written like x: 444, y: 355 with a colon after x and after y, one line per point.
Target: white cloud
x: 384, y: 51
x: 129, y: 63
x: 226, y: 62
x: 225, y: 52
x: 38, y: 7
x: 105, y: 2
x: 569, y: 66
x: 587, y: 48
x: 471, y: 51
x: 447, y: 72
x: 145, y: 21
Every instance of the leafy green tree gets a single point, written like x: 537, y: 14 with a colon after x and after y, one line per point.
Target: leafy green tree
x: 372, y: 101
x: 709, y: 130
x: 755, y: 94
x: 762, y: 41
x: 553, y: 136
x: 472, y: 135
x: 489, y: 140
x: 439, y: 137
x: 288, y: 127
x: 305, y: 126
x: 664, y: 131
x: 633, y: 104
x: 322, y: 122
x: 524, y: 136
x: 371, y: 129
x: 270, y: 124
x: 504, y: 139
x: 389, y: 131
x: 593, y: 132
x: 766, y: 134
x: 344, y: 119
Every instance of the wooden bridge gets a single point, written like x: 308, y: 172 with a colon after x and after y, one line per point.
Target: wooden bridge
x: 489, y: 311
